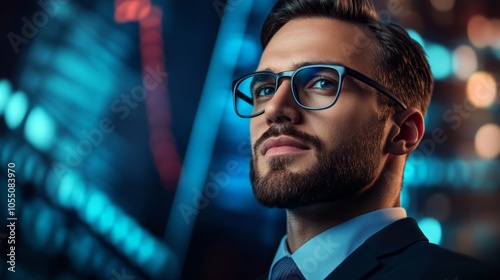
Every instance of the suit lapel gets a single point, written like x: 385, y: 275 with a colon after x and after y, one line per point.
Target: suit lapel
x: 359, y: 263
x: 395, y: 237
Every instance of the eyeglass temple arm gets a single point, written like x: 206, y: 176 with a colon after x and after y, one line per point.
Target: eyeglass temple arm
x: 377, y: 86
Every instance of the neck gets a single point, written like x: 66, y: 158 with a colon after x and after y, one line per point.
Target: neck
x: 306, y: 222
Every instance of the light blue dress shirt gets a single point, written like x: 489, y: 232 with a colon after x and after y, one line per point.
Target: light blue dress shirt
x: 318, y: 257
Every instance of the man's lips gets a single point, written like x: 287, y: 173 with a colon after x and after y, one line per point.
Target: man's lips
x: 282, y: 145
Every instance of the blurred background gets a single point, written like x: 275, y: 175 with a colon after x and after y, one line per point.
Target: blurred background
x: 129, y: 162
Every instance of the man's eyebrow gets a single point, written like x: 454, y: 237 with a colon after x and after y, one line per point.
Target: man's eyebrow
x: 258, y: 79
x: 265, y: 70
x: 302, y: 64
x: 307, y: 63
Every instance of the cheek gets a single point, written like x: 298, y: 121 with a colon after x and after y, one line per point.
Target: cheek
x: 334, y: 130
x: 330, y: 127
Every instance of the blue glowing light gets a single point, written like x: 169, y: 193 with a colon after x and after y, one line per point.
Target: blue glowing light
x: 202, y: 140
x: 237, y: 195
x: 71, y: 190
x: 232, y: 48
x: 427, y: 170
x: 246, y: 49
x: 162, y: 262
x: 107, y: 219
x: 81, y: 69
x: 409, y: 174
x: 40, y: 129
x: 432, y: 229
x: 95, y: 205
x: 459, y: 173
x: 5, y: 90
x: 146, y: 252
x: 133, y: 241
x: 416, y: 36
x: 405, y: 198
x: 120, y: 230
x: 434, y: 116
x: 235, y: 129
x: 65, y: 189
x: 16, y: 110
x: 440, y: 60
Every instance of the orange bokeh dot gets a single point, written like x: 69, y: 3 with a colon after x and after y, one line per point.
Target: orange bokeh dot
x: 481, y: 89
x: 487, y: 141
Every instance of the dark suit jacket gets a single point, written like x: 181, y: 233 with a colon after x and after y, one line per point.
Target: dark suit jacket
x: 401, y: 251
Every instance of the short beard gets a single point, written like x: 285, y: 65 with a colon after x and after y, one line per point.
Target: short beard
x: 338, y: 173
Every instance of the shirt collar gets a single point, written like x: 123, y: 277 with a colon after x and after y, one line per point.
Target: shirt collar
x: 319, y: 256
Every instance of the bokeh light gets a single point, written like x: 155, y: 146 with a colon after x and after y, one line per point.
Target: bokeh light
x: 443, y: 5
x: 131, y: 10
x: 480, y: 31
x: 481, y: 89
x: 416, y: 36
x: 431, y: 229
x: 16, y: 110
x: 71, y: 191
x: 487, y: 141
x: 40, y: 129
x: 440, y: 60
x: 464, y: 62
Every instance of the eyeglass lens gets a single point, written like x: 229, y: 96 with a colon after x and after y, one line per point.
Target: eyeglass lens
x: 313, y: 88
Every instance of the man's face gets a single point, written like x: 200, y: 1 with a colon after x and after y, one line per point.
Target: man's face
x: 302, y: 157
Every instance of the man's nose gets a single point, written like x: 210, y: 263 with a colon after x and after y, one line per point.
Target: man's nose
x: 282, y: 106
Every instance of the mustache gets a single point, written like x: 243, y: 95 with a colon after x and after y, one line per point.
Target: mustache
x: 287, y: 130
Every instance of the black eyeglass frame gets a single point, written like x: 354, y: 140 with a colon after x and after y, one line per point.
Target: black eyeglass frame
x: 342, y: 70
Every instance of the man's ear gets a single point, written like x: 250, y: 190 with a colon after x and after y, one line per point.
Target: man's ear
x: 406, y: 132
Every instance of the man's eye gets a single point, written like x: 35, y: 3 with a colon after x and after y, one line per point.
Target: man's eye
x: 323, y: 84
x: 264, y: 91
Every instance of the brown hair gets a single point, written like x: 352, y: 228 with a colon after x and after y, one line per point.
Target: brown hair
x: 400, y: 61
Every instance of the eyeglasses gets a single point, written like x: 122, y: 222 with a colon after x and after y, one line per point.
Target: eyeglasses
x: 314, y: 87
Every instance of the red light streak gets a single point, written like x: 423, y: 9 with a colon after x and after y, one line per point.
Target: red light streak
x: 131, y: 10
x: 162, y: 142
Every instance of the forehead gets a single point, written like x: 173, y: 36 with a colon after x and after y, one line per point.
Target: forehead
x: 318, y: 39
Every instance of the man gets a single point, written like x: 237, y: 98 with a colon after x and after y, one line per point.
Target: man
x: 337, y: 106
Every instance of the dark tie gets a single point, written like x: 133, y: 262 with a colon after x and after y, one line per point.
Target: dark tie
x: 286, y: 269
